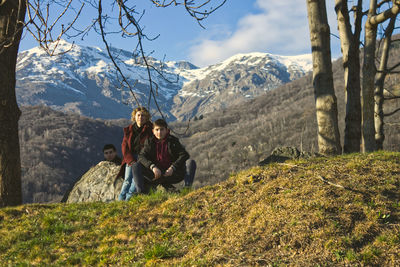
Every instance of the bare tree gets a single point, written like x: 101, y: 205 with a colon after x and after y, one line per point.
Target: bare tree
x: 369, y: 69
x: 325, y: 99
x: 379, y: 84
x: 350, y: 44
x: 42, y: 27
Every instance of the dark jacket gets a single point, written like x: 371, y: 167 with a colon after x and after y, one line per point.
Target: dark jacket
x: 177, y: 153
x: 134, y: 139
x: 117, y: 160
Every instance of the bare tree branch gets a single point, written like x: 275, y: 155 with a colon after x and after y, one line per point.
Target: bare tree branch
x: 39, y: 26
x: 139, y: 34
x: 10, y: 38
x: 118, y: 69
x: 392, y: 95
x: 391, y: 113
x: 393, y: 67
x: 197, y: 9
x: 387, y: 14
x: 380, y: 4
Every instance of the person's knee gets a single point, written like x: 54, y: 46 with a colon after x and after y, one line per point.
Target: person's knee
x: 137, y: 166
x: 128, y: 172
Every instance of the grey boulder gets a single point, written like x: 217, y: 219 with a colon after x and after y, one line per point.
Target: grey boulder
x: 99, y: 183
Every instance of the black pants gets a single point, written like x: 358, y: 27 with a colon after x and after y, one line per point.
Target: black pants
x: 145, y: 180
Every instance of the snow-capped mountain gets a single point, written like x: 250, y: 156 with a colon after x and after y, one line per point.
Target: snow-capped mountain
x: 84, y: 81
x: 237, y: 79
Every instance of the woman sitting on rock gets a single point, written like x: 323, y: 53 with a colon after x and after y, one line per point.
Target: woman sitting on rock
x: 134, y: 137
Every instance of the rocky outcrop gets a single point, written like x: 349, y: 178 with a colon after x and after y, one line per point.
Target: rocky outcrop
x: 281, y: 154
x: 97, y: 184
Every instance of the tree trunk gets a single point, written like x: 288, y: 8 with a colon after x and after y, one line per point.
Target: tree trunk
x: 380, y: 80
x: 325, y: 99
x: 351, y: 67
x: 10, y: 166
x: 369, y: 71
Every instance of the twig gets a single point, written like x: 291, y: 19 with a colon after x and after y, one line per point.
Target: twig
x: 330, y: 183
x: 391, y: 113
x: 124, y: 79
x: 291, y: 165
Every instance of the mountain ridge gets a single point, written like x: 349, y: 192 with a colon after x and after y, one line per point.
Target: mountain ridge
x: 83, y: 81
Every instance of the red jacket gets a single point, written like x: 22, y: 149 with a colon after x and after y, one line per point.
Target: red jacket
x: 133, y: 142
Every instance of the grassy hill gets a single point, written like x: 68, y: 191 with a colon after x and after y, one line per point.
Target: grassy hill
x: 341, y: 210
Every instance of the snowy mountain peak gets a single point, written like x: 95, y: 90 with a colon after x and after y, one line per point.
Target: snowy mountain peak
x: 300, y: 63
x: 236, y: 79
x: 256, y: 58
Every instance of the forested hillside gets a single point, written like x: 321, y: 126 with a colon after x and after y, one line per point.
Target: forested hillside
x: 57, y: 148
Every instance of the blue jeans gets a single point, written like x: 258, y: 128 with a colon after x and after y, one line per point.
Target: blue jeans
x: 129, y: 187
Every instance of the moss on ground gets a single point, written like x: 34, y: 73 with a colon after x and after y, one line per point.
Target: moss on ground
x: 324, y: 211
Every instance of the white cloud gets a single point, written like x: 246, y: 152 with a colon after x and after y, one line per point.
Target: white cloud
x: 281, y: 27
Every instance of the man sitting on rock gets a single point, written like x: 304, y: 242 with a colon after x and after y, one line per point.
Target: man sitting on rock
x: 164, y: 160
x: 110, y: 154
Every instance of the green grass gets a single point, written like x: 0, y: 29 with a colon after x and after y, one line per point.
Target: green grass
x: 277, y: 215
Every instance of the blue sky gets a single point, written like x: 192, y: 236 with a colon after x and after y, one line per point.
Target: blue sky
x: 240, y: 26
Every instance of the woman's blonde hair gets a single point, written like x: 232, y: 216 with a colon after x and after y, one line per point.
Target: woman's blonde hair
x: 141, y: 109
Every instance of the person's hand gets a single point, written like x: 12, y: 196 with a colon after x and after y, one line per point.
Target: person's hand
x: 169, y: 171
x: 157, y: 173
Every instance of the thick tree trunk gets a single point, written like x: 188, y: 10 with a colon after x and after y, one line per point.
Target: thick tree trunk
x: 380, y: 80
x: 369, y: 71
x: 10, y: 166
x: 351, y: 67
x: 325, y: 99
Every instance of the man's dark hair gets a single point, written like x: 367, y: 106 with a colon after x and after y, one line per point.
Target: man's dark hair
x: 160, y: 123
x: 108, y: 146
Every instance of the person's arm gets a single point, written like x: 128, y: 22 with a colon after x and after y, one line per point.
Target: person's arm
x: 180, y: 153
x: 145, y: 159
x: 145, y: 155
x: 126, y: 152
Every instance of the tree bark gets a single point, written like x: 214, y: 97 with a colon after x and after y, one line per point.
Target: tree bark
x: 12, y: 12
x: 369, y: 72
x: 325, y: 99
x: 380, y: 80
x: 351, y: 66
